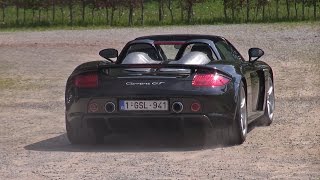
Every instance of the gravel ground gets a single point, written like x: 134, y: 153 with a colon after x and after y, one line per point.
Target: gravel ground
x: 34, y: 67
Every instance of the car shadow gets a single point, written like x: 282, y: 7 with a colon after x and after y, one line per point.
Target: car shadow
x: 255, y: 124
x: 129, y: 142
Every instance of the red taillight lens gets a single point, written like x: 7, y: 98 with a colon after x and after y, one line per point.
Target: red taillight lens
x: 209, y: 80
x: 89, y: 80
x: 195, y: 107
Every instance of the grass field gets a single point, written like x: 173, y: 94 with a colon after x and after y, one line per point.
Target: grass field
x: 210, y: 12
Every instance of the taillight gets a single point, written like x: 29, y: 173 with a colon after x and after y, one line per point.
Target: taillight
x: 89, y: 80
x: 209, y: 80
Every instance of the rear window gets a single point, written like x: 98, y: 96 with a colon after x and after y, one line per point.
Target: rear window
x: 170, y: 51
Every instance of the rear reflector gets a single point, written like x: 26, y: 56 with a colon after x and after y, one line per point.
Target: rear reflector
x: 93, y: 107
x: 89, y: 80
x: 195, y: 107
x: 209, y: 80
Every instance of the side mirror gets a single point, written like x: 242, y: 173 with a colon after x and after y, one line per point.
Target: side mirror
x: 255, y: 53
x: 109, y: 53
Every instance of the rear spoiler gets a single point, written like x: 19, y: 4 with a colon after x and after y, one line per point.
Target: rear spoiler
x: 193, y: 68
x: 156, y: 67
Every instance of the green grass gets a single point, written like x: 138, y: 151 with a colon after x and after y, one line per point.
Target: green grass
x: 210, y: 12
x: 289, y: 24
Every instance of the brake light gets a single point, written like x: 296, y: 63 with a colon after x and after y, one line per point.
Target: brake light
x: 209, y: 80
x: 89, y: 80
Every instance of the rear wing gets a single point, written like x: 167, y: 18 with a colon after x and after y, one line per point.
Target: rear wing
x: 157, y: 69
x: 148, y: 69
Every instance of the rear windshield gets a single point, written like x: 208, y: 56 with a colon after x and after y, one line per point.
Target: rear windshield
x: 170, y: 51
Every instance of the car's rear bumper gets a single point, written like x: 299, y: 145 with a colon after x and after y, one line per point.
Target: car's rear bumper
x: 216, y: 110
x: 147, y: 120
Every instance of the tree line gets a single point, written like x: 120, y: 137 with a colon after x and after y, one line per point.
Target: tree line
x: 78, y: 11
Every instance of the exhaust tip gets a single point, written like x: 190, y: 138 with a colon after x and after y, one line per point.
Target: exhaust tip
x: 177, y: 107
x: 110, y: 107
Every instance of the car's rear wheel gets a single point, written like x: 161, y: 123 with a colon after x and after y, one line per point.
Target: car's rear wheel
x: 80, y: 133
x: 236, y: 133
x: 239, y: 129
x: 267, y: 118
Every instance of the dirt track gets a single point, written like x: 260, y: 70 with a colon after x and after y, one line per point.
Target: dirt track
x: 35, y: 65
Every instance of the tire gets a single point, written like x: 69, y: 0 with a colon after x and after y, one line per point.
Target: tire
x: 80, y: 133
x: 235, y: 133
x: 267, y: 117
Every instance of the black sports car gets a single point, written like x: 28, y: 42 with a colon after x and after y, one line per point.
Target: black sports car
x: 180, y: 81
